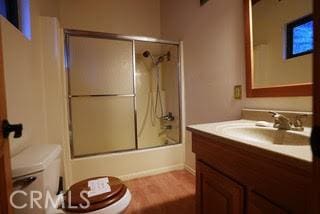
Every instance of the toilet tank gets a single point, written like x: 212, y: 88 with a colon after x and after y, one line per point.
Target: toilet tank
x: 35, y: 172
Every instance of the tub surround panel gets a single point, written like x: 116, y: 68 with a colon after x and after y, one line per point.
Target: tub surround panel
x: 129, y: 165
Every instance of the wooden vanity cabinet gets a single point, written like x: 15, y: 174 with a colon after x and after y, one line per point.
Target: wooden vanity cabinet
x: 233, y: 178
x: 259, y: 205
x: 216, y: 193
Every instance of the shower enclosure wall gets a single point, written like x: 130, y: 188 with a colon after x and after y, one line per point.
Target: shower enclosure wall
x: 124, y: 92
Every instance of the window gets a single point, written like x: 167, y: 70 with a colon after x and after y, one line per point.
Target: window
x: 9, y: 10
x: 300, y: 37
x: 18, y: 13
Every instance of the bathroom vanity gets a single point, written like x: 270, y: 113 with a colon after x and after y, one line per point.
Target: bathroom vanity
x: 243, y: 168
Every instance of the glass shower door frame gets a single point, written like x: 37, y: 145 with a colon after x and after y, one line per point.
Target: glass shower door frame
x: 98, y: 35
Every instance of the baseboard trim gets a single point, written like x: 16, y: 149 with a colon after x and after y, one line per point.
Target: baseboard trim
x: 190, y: 169
x: 152, y: 172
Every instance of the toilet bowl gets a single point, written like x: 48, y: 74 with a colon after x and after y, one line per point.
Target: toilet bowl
x: 36, y: 172
x: 116, y: 200
x: 114, y: 208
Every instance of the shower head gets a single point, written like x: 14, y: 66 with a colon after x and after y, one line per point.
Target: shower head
x: 146, y: 54
x: 160, y: 59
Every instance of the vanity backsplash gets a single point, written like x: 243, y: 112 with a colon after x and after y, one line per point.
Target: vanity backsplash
x: 264, y: 115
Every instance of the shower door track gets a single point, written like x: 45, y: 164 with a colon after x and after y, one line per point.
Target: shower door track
x: 104, y: 95
x: 102, y: 35
x: 133, y: 39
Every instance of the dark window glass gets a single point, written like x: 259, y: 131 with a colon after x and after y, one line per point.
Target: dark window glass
x: 12, y: 12
x: 300, y: 37
x: 9, y: 10
x: 303, y: 38
x: 3, y: 8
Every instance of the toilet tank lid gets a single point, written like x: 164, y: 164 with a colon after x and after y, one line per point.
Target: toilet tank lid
x: 34, y: 158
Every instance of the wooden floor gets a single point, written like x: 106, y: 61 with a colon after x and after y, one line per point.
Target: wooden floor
x: 172, y: 192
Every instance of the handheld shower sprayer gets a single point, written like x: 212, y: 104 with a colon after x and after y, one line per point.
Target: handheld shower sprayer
x: 158, y: 98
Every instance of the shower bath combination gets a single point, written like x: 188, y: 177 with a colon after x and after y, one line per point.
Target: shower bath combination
x: 158, y: 102
x: 127, y: 110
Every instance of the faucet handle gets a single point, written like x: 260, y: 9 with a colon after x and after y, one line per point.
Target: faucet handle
x: 273, y: 113
x: 298, y: 123
x: 277, y: 115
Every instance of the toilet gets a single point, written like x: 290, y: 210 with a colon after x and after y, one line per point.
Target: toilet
x: 36, y: 172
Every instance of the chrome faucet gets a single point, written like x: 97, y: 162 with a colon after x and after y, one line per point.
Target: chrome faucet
x: 281, y: 122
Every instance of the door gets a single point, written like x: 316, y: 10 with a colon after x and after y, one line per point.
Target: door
x: 5, y: 130
x: 216, y: 193
x: 315, y: 139
x: 5, y: 170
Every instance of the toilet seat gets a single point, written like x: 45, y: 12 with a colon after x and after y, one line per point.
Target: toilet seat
x: 118, y: 197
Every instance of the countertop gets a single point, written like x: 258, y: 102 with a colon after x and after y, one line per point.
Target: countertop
x: 301, y: 152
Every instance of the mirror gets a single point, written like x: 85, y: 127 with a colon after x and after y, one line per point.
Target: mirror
x: 279, y: 47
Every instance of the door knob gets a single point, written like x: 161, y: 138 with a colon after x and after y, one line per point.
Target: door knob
x: 7, y: 128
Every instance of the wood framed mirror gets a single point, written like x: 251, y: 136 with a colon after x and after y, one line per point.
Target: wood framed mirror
x: 278, y: 47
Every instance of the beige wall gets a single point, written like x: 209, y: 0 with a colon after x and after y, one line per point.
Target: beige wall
x: 138, y: 17
x: 213, y: 57
x: 24, y: 77
x: 55, y: 89
x: 22, y: 98
x: 269, y: 20
x: 214, y: 61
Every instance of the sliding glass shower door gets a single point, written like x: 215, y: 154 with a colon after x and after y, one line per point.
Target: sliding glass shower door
x: 124, y: 92
x: 101, y: 95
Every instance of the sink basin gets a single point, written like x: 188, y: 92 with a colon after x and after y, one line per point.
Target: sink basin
x: 267, y: 135
x: 245, y: 132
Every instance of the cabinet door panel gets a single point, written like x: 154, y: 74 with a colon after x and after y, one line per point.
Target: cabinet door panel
x: 216, y: 193
x: 259, y: 205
